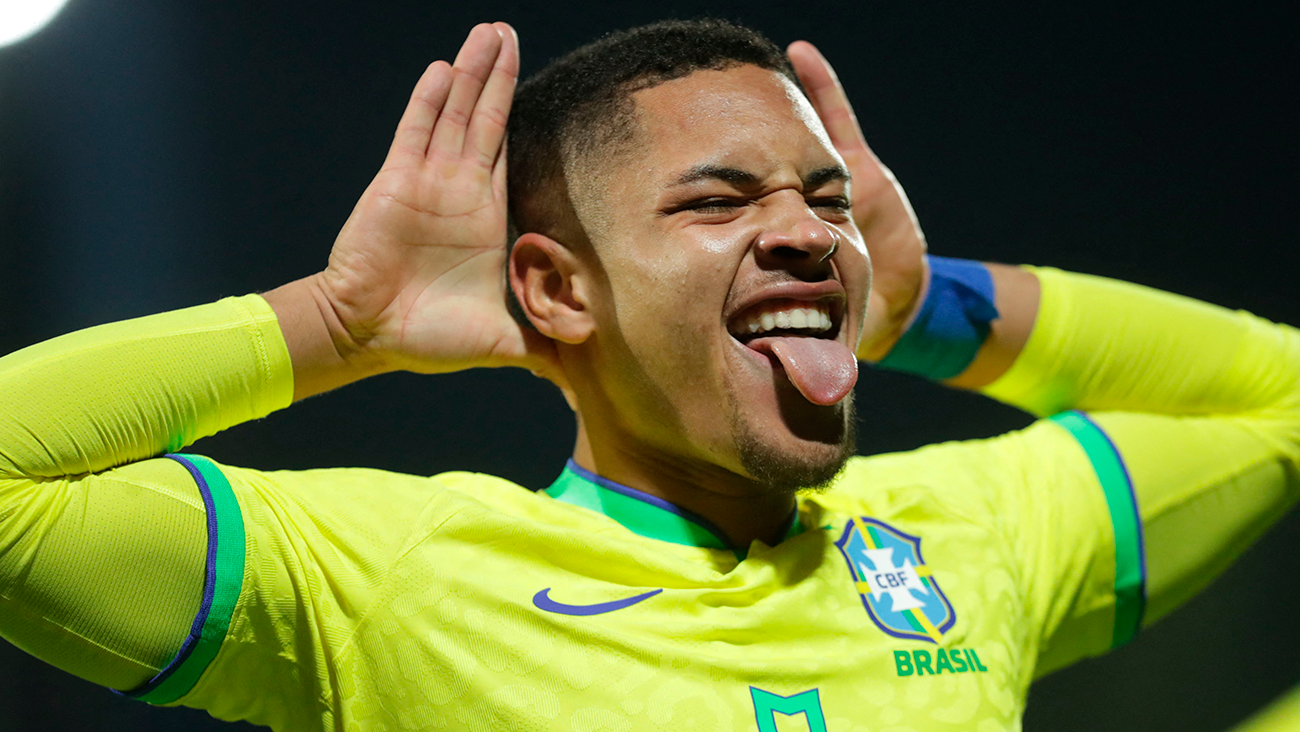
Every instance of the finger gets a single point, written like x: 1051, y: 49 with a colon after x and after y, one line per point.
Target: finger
x: 411, y: 141
x: 469, y: 73
x: 487, y: 127
x: 827, y: 96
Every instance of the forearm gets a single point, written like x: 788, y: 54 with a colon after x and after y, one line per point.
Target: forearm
x: 123, y: 392
x: 1067, y: 341
x: 1101, y: 344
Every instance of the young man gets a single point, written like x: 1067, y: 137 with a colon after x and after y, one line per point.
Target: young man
x: 690, y: 265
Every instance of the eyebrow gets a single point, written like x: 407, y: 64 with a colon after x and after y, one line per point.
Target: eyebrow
x: 744, y: 178
x: 822, y: 176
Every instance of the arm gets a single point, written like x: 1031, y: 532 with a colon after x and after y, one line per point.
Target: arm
x: 83, y: 503
x: 1186, y: 449
x: 72, y: 522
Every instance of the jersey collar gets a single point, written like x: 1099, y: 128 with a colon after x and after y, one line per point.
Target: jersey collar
x: 644, y: 514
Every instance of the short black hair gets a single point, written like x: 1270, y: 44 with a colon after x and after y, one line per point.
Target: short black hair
x: 581, y: 103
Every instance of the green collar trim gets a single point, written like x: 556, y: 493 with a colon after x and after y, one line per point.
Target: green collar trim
x: 644, y: 514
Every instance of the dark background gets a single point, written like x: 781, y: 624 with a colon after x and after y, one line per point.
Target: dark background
x: 155, y: 155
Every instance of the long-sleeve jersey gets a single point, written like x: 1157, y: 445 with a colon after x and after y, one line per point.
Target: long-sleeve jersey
x: 923, y: 591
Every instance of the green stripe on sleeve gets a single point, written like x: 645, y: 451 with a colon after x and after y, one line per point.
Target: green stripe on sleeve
x: 1130, y: 562
x: 224, y: 581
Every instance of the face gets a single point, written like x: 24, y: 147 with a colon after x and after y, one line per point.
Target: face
x: 731, y: 283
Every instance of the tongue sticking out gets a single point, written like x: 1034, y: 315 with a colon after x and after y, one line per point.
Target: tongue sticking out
x: 824, y: 371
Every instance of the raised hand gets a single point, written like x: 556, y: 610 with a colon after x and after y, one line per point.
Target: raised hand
x: 416, y: 277
x: 880, y: 208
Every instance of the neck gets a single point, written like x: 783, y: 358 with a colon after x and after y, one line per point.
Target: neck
x: 740, y: 508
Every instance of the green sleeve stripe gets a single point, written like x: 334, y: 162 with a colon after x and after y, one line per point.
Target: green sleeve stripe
x: 222, y: 584
x: 1117, y: 486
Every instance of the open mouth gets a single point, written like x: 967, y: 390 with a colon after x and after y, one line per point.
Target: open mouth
x: 797, y: 318
x: 803, y: 337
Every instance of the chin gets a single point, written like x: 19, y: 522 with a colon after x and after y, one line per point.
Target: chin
x: 786, y: 458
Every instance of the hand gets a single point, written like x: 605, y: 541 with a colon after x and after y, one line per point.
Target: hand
x: 880, y: 208
x: 416, y: 277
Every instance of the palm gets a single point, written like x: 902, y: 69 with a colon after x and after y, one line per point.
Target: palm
x: 880, y: 208
x: 417, y: 273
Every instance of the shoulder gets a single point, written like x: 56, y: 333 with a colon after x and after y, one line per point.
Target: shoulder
x: 352, y: 504
x: 969, y: 475
x: 370, y: 485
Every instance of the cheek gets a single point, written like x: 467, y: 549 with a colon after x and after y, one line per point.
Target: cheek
x: 717, y: 243
x: 682, y: 289
x: 669, y: 312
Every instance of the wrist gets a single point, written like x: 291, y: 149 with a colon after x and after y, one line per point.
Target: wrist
x: 950, y: 323
x: 324, y: 353
x: 875, y: 347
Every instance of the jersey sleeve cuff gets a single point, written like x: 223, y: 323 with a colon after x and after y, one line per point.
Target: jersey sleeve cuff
x: 275, y: 367
x: 1130, y: 588
x: 223, y: 582
x: 1028, y: 383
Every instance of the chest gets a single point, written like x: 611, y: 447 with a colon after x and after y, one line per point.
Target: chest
x: 860, y: 623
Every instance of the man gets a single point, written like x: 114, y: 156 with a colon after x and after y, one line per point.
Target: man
x: 691, y: 266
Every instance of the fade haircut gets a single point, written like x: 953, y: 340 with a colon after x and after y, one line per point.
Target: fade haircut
x: 580, y: 107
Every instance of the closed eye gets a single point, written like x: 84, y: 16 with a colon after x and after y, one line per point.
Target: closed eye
x: 839, y: 203
x: 713, y: 205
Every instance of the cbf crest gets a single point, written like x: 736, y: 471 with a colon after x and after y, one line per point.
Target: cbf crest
x: 897, y: 588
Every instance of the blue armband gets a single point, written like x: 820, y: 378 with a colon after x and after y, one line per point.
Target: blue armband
x: 952, y: 324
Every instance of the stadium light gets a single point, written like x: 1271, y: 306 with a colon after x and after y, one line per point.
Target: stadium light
x: 22, y: 18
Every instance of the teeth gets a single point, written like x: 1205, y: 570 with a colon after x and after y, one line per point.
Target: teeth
x: 786, y: 316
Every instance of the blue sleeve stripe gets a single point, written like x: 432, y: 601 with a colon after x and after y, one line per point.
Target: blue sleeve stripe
x: 223, y: 582
x: 1125, y: 519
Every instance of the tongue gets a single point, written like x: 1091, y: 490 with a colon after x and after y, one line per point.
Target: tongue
x: 824, y: 371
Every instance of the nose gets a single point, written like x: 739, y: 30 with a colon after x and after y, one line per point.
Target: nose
x: 797, y: 235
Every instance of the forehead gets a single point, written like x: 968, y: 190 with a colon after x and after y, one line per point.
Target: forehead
x: 743, y: 116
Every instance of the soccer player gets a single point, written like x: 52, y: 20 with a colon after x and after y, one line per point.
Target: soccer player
x: 693, y: 213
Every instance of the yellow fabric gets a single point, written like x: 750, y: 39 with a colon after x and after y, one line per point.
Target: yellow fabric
x: 1282, y: 715
x: 102, y: 575
x: 378, y: 601
x: 418, y: 613
x: 1204, y: 406
x: 101, y: 570
x: 1101, y: 344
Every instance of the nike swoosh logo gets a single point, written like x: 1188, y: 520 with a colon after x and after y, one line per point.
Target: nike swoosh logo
x: 543, y: 602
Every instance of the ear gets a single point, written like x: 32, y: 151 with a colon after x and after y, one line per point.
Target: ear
x: 548, y: 282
